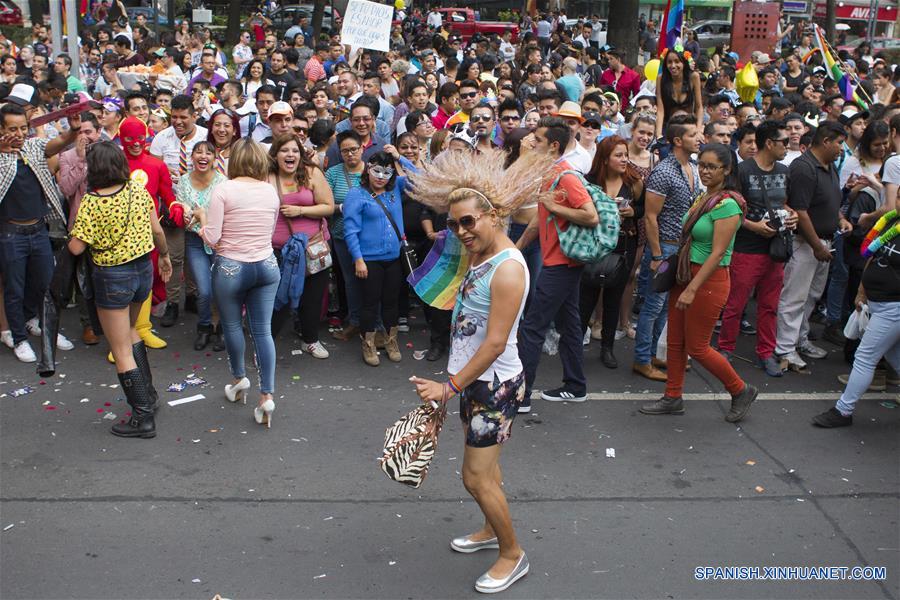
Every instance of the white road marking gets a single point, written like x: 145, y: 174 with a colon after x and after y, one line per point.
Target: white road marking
x: 185, y: 400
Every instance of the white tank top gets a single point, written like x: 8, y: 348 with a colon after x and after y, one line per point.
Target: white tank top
x: 470, y: 317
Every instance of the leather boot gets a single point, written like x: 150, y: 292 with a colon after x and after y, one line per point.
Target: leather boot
x: 141, y: 423
x: 89, y: 337
x: 139, y: 351
x: 347, y: 332
x: 370, y: 354
x: 391, y: 347
x: 144, y: 327
x: 217, y: 339
x: 436, y: 351
x: 204, y: 333
x: 608, y: 358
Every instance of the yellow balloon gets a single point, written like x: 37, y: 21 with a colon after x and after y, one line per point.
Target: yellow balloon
x: 651, y: 69
x: 399, y: 4
x: 747, y: 83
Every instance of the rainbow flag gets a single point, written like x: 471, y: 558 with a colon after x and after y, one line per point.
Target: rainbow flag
x: 437, y: 279
x: 670, y: 31
x: 845, y: 84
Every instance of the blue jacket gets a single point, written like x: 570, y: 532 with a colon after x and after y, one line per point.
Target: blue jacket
x: 367, y: 231
x: 293, y: 272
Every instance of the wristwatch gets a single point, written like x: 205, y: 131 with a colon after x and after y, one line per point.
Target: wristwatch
x: 657, y: 258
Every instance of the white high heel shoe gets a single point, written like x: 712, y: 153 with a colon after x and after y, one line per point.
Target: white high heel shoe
x: 263, y: 413
x: 238, y: 391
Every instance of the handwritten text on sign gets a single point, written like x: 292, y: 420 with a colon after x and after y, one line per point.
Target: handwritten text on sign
x: 367, y: 25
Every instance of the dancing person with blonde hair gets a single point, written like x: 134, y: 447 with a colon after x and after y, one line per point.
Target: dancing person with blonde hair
x: 484, y: 365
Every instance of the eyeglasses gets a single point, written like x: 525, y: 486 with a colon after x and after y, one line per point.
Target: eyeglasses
x: 753, y: 118
x: 381, y: 172
x: 361, y: 119
x: 348, y: 151
x: 467, y: 222
x: 481, y: 118
x: 468, y: 95
x: 783, y: 140
x: 510, y: 118
x: 708, y: 167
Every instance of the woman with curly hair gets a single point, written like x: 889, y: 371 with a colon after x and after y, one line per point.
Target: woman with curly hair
x: 484, y: 367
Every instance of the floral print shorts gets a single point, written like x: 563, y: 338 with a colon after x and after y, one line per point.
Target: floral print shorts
x: 487, y: 409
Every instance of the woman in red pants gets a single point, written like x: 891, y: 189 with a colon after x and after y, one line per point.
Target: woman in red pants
x: 703, y: 285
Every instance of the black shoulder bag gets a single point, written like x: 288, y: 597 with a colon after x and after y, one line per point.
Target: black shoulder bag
x: 407, y: 253
x: 781, y: 246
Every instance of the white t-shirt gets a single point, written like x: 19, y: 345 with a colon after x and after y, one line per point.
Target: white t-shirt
x: 578, y: 158
x: 789, y: 157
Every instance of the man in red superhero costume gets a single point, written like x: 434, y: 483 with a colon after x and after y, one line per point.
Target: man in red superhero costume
x: 153, y: 173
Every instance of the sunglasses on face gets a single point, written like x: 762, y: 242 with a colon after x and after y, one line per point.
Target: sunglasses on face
x: 381, y: 172
x: 301, y: 130
x: 468, y: 95
x: 481, y: 118
x: 593, y: 125
x: 510, y: 119
x: 467, y: 222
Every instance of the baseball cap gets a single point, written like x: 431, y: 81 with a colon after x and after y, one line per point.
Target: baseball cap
x: 281, y: 108
x: 160, y: 52
x: 612, y: 96
x: 570, y: 109
x: 763, y: 59
x: 606, y: 48
x: 819, y: 71
x: 851, y: 113
x: 593, y: 117
x: 23, y: 94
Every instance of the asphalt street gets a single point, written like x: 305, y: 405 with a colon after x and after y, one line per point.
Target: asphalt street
x: 215, y: 504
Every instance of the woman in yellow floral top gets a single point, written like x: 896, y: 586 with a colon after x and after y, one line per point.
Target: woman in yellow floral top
x: 117, y: 222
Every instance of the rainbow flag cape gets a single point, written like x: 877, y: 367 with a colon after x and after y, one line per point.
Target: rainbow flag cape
x: 845, y: 83
x: 437, y: 279
x: 670, y: 32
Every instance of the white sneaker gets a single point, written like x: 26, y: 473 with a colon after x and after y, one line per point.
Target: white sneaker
x: 403, y: 325
x: 33, y: 326
x: 24, y: 352
x: 7, y: 339
x: 317, y: 350
x: 810, y: 350
x: 587, y: 337
x: 620, y: 333
x: 63, y: 343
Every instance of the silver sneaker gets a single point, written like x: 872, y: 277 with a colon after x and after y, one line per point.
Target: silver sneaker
x: 488, y: 585
x: 810, y: 350
x: 466, y: 545
x: 792, y: 360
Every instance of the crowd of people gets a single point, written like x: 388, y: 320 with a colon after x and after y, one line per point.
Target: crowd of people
x: 281, y: 176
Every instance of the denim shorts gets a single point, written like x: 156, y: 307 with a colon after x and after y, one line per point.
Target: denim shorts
x: 487, y: 410
x: 121, y: 285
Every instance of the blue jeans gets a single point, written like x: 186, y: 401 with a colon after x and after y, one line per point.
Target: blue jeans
x: 252, y: 284
x: 653, y: 311
x: 838, y: 274
x: 881, y: 338
x: 351, y: 283
x: 556, y: 301
x: 200, y: 264
x: 532, y: 255
x: 26, y: 263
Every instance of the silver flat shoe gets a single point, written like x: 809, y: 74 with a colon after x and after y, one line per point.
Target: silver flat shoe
x: 465, y: 545
x: 488, y: 585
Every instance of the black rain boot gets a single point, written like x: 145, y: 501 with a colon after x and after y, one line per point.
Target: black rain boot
x: 139, y: 351
x: 608, y: 358
x: 218, y: 339
x: 204, y: 333
x: 141, y: 423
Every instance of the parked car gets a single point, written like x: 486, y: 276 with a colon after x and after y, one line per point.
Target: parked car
x: 134, y: 11
x: 465, y: 24
x: 283, y: 16
x: 712, y: 33
x: 878, y: 43
x: 10, y: 13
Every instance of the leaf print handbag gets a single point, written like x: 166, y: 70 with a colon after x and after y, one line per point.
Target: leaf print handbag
x: 411, y: 442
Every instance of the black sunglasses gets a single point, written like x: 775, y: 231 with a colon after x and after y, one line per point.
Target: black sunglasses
x: 469, y: 95
x: 481, y: 118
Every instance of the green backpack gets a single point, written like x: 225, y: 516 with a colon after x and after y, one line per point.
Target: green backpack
x: 590, y: 244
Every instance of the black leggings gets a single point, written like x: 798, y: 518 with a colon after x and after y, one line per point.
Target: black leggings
x: 612, y: 301
x: 310, y: 308
x: 385, y: 278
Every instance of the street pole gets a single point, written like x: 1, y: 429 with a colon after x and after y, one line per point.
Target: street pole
x: 873, y: 16
x: 56, y: 27
x: 72, y: 35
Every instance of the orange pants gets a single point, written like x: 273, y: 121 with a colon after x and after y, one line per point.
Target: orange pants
x: 690, y: 332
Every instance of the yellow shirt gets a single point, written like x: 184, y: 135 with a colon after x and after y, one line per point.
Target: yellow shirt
x: 116, y: 234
